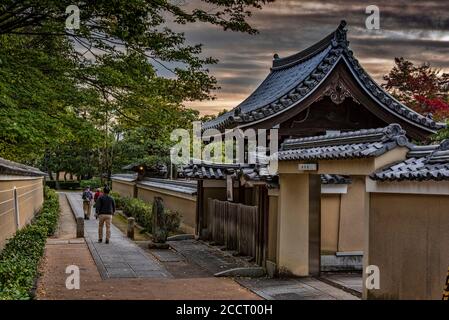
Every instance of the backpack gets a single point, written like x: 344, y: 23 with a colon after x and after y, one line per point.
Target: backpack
x: 85, y: 196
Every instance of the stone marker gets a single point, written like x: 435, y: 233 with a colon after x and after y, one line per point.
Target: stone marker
x: 130, y: 231
x: 159, y: 229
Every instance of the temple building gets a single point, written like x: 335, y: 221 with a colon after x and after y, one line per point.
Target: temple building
x: 353, y: 187
x: 323, y: 88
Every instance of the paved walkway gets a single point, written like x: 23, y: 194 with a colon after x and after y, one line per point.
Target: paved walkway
x: 123, y: 270
x: 51, y: 284
x: 61, y: 252
x: 121, y: 258
x: 208, y: 257
x: 214, y: 260
x: 350, y: 281
x: 295, y: 289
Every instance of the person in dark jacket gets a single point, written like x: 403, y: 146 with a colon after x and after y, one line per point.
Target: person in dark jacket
x: 105, y: 208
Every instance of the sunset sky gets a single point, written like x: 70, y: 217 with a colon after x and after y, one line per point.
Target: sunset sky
x: 416, y: 30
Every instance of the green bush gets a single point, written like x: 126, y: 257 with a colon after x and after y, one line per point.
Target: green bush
x: 119, y: 201
x: 68, y: 185
x: 63, y: 185
x: 92, y: 183
x: 173, y: 220
x: 142, y: 212
x: 20, y: 258
x: 51, y: 184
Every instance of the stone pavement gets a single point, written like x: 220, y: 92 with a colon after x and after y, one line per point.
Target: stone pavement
x: 208, y: 257
x: 350, y: 281
x: 51, y: 283
x: 121, y: 258
x: 295, y: 289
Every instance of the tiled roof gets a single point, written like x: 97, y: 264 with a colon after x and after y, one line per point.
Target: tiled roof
x: 293, y: 78
x: 129, y: 177
x: 335, y: 179
x: 14, y: 168
x: 187, y: 187
x: 354, y: 144
x: 249, y: 172
x: 423, y: 163
x: 205, y: 170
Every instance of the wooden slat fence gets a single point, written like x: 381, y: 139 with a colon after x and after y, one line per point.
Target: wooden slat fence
x: 233, y: 225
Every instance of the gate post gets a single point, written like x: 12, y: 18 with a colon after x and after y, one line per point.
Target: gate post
x: 294, y: 224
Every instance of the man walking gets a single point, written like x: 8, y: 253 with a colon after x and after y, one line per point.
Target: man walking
x: 87, y: 203
x: 105, y: 208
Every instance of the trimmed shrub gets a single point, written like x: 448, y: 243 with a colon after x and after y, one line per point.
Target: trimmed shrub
x: 20, y: 258
x: 92, y: 183
x: 51, y: 184
x: 63, y: 185
x: 142, y: 212
x: 119, y: 201
x: 173, y: 220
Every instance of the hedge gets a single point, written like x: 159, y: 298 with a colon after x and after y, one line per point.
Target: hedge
x: 92, y: 183
x: 142, y: 212
x: 63, y: 185
x: 19, y: 260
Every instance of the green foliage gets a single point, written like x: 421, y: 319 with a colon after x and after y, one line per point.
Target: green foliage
x: 119, y: 201
x: 92, y: 183
x: 66, y: 96
x: 63, y: 185
x: 20, y: 258
x: 442, y: 134
x: 172, y: 221
x: 142, y: 212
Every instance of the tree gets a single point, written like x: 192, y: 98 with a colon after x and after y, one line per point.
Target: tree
x: 423, y: 88
x: 105, y: 72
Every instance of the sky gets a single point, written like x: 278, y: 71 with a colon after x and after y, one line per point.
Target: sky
x: 416, y: 30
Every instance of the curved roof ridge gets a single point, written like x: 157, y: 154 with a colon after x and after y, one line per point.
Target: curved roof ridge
x: 386, y: 99
x: 339, y: 35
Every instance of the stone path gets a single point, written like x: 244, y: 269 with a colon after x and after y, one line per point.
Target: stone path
x: 295, y: 289
x: 123, y: 270
x: 208, y: 257
x: 121, y: 258
x: 351, y: 281
x: 51, y: 284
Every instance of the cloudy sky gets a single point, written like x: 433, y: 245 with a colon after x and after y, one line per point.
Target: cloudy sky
x: 416, y: 30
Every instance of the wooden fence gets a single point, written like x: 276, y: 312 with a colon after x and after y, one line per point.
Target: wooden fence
x: 233, y: 225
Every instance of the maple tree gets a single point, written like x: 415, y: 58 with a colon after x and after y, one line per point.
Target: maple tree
x: 422, y: 88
